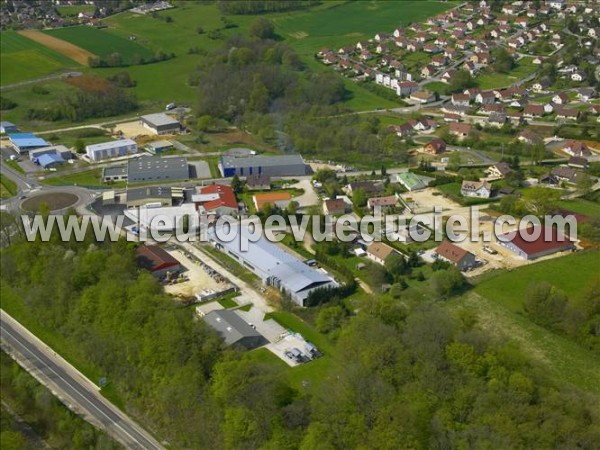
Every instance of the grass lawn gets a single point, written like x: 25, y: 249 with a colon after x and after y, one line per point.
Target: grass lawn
x: 23, y: 59
x: 581, y: 206
x: 562, y: 359
x: 524, y: 67
x: 89, y: 178
x: 7, y: 187
x: 227, y: 302
x: 571, y: 273
x: 14, y: 165
x: 101, y: 43
x: 74, y: 10
x: 437, y: 86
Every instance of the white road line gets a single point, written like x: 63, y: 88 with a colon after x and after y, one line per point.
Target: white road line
x: 80, y: 394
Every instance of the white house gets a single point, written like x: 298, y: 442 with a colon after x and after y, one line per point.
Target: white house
x: 481, y: 189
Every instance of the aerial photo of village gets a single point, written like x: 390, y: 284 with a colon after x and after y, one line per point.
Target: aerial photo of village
x: 300, y: 224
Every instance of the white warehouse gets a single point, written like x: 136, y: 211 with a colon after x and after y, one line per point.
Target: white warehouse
x: 112, y: 149
x: 273, y: 265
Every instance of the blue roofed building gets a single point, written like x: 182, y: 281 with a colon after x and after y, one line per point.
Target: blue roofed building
x: 23, y: 142
x: 48, y: 160
x: 273, y: 265
x: 8, y: 127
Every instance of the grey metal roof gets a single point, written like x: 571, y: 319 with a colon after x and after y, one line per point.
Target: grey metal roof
x: 148, y: 192
x: 157, y: 145
x: 159, y: 119
x: 154, y: 167
x: 261, y: 160
x: 114, y: 171
x: 272, y: 261
x: 110, y: 144
x: 230, y: 325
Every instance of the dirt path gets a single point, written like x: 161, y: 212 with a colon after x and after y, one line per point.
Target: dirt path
x: 66, y: 48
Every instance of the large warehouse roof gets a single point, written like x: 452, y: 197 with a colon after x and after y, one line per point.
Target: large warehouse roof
x: 148, y: 167
x: 25, y: 140
x: 230, y: 326
x: 50, y: 158
x: 272, y: 261
x: 159, y: 119
x: 259, y: 160
x: 109, y: 144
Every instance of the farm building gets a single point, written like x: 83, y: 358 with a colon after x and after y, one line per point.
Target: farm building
x: 234, y: 330
x: 160, y: 123
x: 154, y: 168
x: 279, y: 199
x: 8, y: 127
x: 453, y: 254
x: 157, y: 260
x: 273, y: 265
x: 218, y: 199
x: 548, y: 241
x: 274, y: 166
x: 159, y: 146
x: 410, y: 181
x: 24, y: 142
x: 112, y: 149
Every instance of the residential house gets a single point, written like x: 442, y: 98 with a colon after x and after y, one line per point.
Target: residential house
x: 529, y: 137
x: 586, y: 94
x: 216, y: 199
x: 452, y: 253
x: 578, y: 76
x: 448, y: 76
x: 567, y: 113
x: 428, y: 71
x: 578, y: 162
x: 461, y: 99
x: 532, y: 110
x: 541, y: 85
x: 566, y: 174
x: 498, y: 171
x: 435, y: 147
x: 485, y: 98
x: 422, y: 97
x: 460, y: 129
x: 497, y: 119
x: 562, y: 98
x: 481, y: 189
x: 382, y: 202
x: 576, y: 148
x: 379, y: 252
x: 405, y: 88
x: 334, y: 206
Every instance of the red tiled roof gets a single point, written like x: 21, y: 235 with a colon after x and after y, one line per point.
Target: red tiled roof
x: 555, y: 242
x: 226, y: 197
x: 153, y: 258
x: 451, y: 252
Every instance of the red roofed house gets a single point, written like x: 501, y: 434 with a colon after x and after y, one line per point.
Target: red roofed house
x: 217, y: 199
x: 452, y: 253
x: 157, y: 260
x: 334, y: 206
x: 576, y: 148
x: 435, y: 147
x: 547, y: 242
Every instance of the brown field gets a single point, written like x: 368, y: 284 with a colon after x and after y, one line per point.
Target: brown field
x: 66, y: 48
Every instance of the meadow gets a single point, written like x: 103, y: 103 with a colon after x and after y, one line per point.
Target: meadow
x: 523, y: 69
x: 23, y: 59
x: 100, y: 43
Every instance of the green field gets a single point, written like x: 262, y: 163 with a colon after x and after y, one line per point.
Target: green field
x: 74, y: 10
x: 581, y: 206
x: 101, y: 43
x: 571, y: 274
x: 23, y: 59
x: 524, y: 68
x: 90, y: 178
x: 498, y: 300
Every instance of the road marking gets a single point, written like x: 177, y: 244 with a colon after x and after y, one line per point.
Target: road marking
x: 74, y: 388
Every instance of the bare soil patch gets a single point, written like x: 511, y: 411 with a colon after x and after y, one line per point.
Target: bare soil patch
x: 66, y: 48
x: 54, y: 200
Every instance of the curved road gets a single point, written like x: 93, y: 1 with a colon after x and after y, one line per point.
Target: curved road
x: 74, y: 390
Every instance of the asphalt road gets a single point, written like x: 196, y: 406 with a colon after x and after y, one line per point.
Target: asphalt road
x: 79, y: 393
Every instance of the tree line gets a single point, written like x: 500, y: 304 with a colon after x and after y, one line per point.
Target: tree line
x: 263, y: 6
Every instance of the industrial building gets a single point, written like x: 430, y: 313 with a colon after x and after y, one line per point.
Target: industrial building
x: 112, y: 149
x: 156, y: 260
x: 168, y: 218
x: 160, y: 123
x: 8, y: 127
x: 159, y: 146
x: 273, y: 166
x: 60, y: 150
x: 273, y: 265
x: 234, y: 330
x: 152, y: 168
x: 115, y: 173
x: 548, y: 241
x: 153, y: 195
x: 24, y: 142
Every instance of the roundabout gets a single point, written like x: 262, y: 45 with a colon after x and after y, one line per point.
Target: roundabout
x: 55, y: 200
